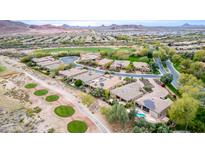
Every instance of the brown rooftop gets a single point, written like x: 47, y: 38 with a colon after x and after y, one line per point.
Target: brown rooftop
x: 106, y: 82
x: 87, y: 76
x: 72, y: 72
x: 128, y: 92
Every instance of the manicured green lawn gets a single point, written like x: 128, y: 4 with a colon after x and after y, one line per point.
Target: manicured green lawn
x: 64, y: 111
x: 52, y: 98
x: 30, y: 85
x: 2, y: 68
x: 77, y: 126
x: 139, y: 59
x: 41, y: 92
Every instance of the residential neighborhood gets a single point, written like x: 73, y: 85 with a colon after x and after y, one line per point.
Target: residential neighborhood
x: 125, y: 84
x: 102, y: 77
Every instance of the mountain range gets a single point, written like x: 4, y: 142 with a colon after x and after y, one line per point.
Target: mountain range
x: 13, y: 27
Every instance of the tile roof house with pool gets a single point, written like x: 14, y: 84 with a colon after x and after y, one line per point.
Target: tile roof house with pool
x: 156, y: 107
x: 106, y: 82
x: 128, y: 92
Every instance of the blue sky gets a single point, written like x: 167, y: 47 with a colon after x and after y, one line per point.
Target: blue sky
x: 119, y: 22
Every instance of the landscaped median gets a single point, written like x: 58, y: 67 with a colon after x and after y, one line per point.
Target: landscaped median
x: 77, y: 126
x: 64, y: 111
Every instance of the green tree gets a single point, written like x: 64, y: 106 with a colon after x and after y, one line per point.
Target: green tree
x: 200, y: 56
x: 130, y: 67
x: 106, y: 94
x: 98, y: 92
x: 118, y: 113
x: 161, y: 54
x: 143, y: 52
x: 189, y: 79
x: 185, y: 65
x: 166, y: 78
x: 176, y: 58
x: 192, y: 86
x: 184, y: 110
x: 132, y: 113
x: 162, y: 128
x: 26, y: 59
x: 78, y: 83
x: 197, y: 69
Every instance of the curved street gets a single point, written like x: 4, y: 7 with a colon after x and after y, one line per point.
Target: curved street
x: 158, y: 61
x: 119, y: 73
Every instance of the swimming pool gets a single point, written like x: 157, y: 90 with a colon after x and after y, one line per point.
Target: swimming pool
x: 140, y: 115
x: 69, y: 59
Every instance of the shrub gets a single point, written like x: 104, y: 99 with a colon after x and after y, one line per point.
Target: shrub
x: 147, y: 88
x: 105, y: 110
x: 142, y: 126
x: 166, y: 78
x: 37, y: 109
x: 51, y: 130
x: 87, y: 99
x: 29, y: 112
x: 78, y: 83
x: 26, y: 59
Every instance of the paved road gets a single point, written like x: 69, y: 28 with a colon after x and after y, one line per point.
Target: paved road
x: 174, y: 72
x: 161, y: 67
x: 171, y: 69
x: 119, y: 73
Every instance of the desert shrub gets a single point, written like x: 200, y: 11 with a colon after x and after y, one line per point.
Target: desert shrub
x: 37, y: 109
x: 51, y: 130
x: 147, y: 88
x: 87, y: 99
x: 26, y: 59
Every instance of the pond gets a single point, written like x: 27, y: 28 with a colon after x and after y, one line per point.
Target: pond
x: 69, y: 59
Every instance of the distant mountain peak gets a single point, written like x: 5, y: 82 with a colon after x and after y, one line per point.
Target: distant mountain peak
x: 186, y: 25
